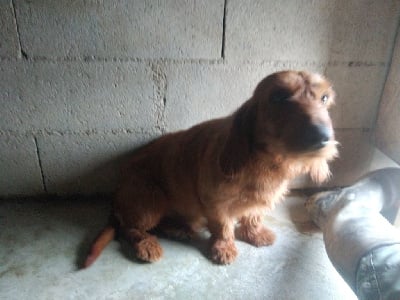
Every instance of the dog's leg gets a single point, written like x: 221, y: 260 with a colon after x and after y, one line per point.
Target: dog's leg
x: 223, y: 248
x: 146, y: 245
x: 139, y: 206
x: 252, y: 231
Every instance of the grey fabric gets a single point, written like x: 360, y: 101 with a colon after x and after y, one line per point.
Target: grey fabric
x: 362, y: 245
x: 352, y: 224
x: 378, y: 274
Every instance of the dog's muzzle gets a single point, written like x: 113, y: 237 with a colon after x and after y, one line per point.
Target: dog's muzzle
x: 318, y: 136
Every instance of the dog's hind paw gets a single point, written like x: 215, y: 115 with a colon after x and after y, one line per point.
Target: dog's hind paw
x: 149, y: 249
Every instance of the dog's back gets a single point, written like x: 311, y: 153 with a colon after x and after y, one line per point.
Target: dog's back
x: 229, y: 169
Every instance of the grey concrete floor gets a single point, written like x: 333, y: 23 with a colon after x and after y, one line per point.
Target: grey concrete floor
x: 42, y: 241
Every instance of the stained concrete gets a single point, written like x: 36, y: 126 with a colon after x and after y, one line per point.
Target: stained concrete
x: 42, y: 242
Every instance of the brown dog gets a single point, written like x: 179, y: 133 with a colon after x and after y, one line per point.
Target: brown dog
x: 227, y: 170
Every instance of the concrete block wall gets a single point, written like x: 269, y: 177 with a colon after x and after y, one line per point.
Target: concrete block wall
x: 82, y: 83
x: 388, y: 123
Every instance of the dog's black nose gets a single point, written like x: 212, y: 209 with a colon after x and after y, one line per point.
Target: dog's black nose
x: 318, y: 136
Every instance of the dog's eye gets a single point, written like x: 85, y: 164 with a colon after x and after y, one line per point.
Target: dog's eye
x: 324, y: 99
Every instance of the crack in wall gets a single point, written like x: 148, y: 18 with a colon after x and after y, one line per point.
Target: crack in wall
x: 223, y: 31
x: 40, y: 164
x: 21, y: 52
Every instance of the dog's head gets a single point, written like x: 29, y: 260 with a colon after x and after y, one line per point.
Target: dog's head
x: 286, y: 117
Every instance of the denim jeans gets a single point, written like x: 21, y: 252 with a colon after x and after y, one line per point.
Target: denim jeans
x: 378, y: 274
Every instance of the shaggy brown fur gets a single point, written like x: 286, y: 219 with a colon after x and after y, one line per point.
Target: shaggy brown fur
x: 227, y: 170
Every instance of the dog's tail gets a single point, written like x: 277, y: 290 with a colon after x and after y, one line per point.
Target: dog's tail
x: 102, y: 240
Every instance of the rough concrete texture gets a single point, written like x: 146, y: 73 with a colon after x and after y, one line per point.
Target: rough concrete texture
x: 86, y: 77
x: 9, y: 44
x: 19, y: 166
x: 225, y: 87
x: 89, y: 163
x: 310, y: 30
x: 222, y: 88
x: 358, y: 93
x: 149, y: 29
x: 39, y: 259
x: 356, y: 150
x: 388, y: 124
x: 77, y: 96
x: 86, y: 163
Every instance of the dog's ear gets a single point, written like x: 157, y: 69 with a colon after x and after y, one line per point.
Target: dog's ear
x: 239, y: 144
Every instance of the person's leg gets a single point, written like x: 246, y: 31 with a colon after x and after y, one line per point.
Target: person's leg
x: 352, y: 224
x: 378, y: 274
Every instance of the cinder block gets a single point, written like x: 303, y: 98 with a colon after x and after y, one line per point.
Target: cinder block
x: 311, y: 30
x: 9, y: 46
x: 85, y: 163
x: 197, y: 93
x: 19, y: 166
x: 388, y: 124
x: 144, y: 29
x: 77, y: 96
x: 358, y: 93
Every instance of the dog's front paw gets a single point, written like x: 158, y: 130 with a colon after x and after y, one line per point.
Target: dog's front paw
x: 264, y: 237
x: 149, y: 249
x: 223, y: 251
x: 260, y: 237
